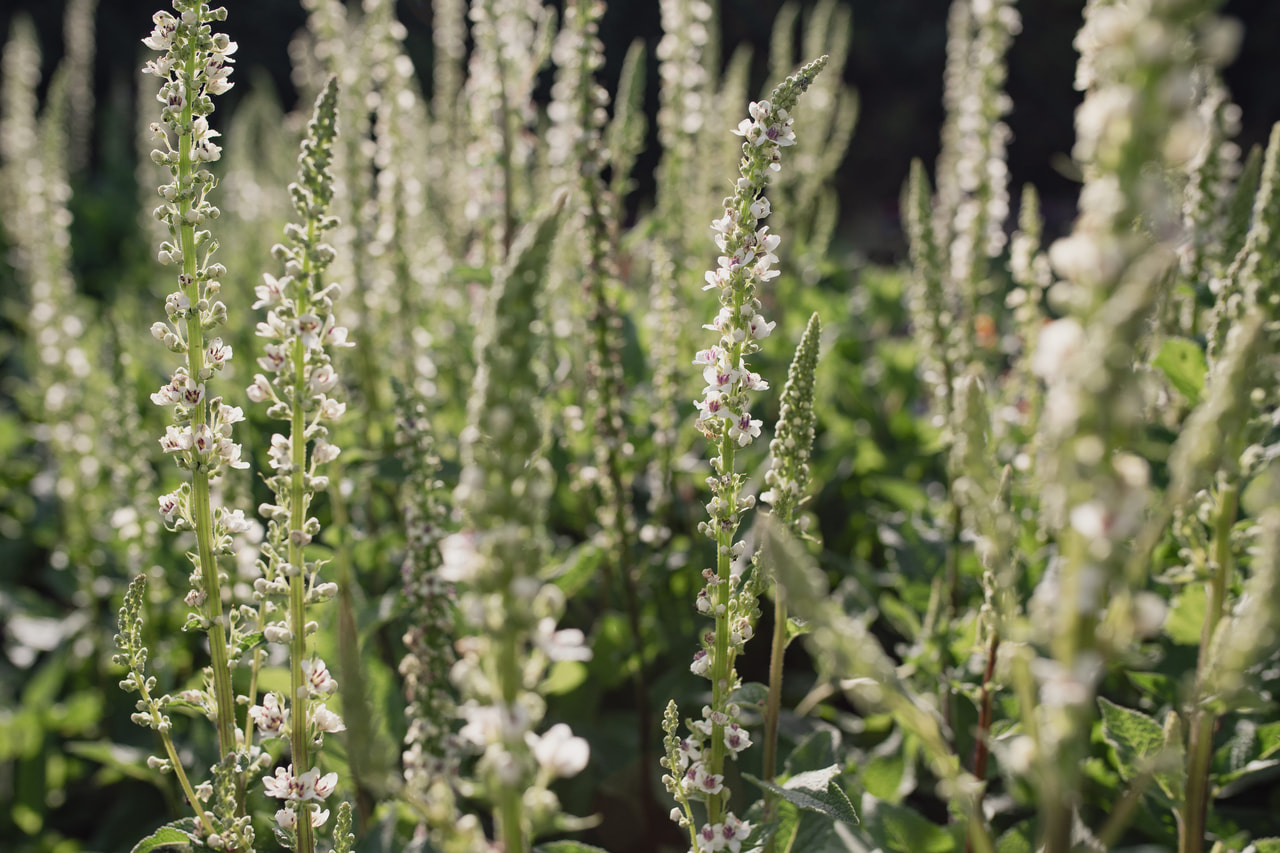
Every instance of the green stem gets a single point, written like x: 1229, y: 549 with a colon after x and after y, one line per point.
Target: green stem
x: 174, y: 762
x: 773, y: 706
x: 510, y: 816
x: 1195, y: 806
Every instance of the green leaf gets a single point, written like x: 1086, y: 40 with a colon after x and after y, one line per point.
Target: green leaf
x: 567, y: 847
x: 815, y: 791
x: 1020, y: 838
x: 815, y: 750
x: 904, y: 830
x: 565, y: 677
x: 1132, y: 734
x: 1139, y: 743
x: 1183, y: 364
x: 175, y: 835
x: 753, y: 694
x: 1185, y: 621
x: 881, y: 777
x: 795, y: 628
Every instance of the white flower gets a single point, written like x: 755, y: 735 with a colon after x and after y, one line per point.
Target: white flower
x: 270, y: 717
x: 566, y: 644
x: 169, y: 506
x: 460, y: 561
x: 736, y: 738
x: 316, y: 674
x: 1057, y: 343
x: 742, y: 428
x: 559, y: 751
x: 270, y: 292
x: 323, y: 451
x: 327, y: 721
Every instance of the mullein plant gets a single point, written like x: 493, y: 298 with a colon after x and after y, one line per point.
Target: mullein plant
x: 431, y: 756
x: 194, y: 66
x: 1094, y: 490
x: 298, y: 384
x: 512, y: 42
x: 577, y: 150
x: 509, y: 615
x: 788, y: 481
x: 695, y: 763
x: 1222, y: 450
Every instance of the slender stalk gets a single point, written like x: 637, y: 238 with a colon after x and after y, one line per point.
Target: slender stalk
x: 981, y: 748
x: 1195, y: 806
x: 773, y: 706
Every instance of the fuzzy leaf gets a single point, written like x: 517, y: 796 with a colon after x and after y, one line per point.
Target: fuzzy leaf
x: 176, y: 836
x: 1184, y: 365
x: 815, y: 791
x: 814, y: 750
x: 1139, y: 742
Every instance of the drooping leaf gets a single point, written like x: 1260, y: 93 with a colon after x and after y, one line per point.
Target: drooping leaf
x: 815, y: 791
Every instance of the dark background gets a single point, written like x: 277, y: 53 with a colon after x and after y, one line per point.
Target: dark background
x: 896, y: 66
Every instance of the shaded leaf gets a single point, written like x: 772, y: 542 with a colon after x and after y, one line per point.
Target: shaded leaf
x: 815, y: 791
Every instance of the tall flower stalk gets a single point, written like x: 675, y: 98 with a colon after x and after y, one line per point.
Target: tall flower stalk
x: 696, y: 763
x: 300, y: 331
x: 194, y: 66
x: 788, y: 478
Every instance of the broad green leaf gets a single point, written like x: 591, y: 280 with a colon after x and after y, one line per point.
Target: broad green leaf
x: 815, y: 791
x: 173, y: 836
x: 815, y: 750
x: 753, y: 694
x: 1183, y: 364
x: 1185, y: 621
x: 903, y: 830
x: 1139, y: 743
x: 881, y: 777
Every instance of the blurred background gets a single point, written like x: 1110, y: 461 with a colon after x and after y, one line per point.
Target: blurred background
x: 896, y: 66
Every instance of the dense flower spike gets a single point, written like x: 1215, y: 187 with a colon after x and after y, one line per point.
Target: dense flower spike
x: 1095, y: 489
x: 194, y: 66
x: 299, y: 384
x: 723, y: 417
x: 431, y: 755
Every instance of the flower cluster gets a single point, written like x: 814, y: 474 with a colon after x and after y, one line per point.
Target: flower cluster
x: 299, y: 383
x: 194, y: 66
x: 200, y: 439
x: 747, y: 263
x: 788, y: 474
